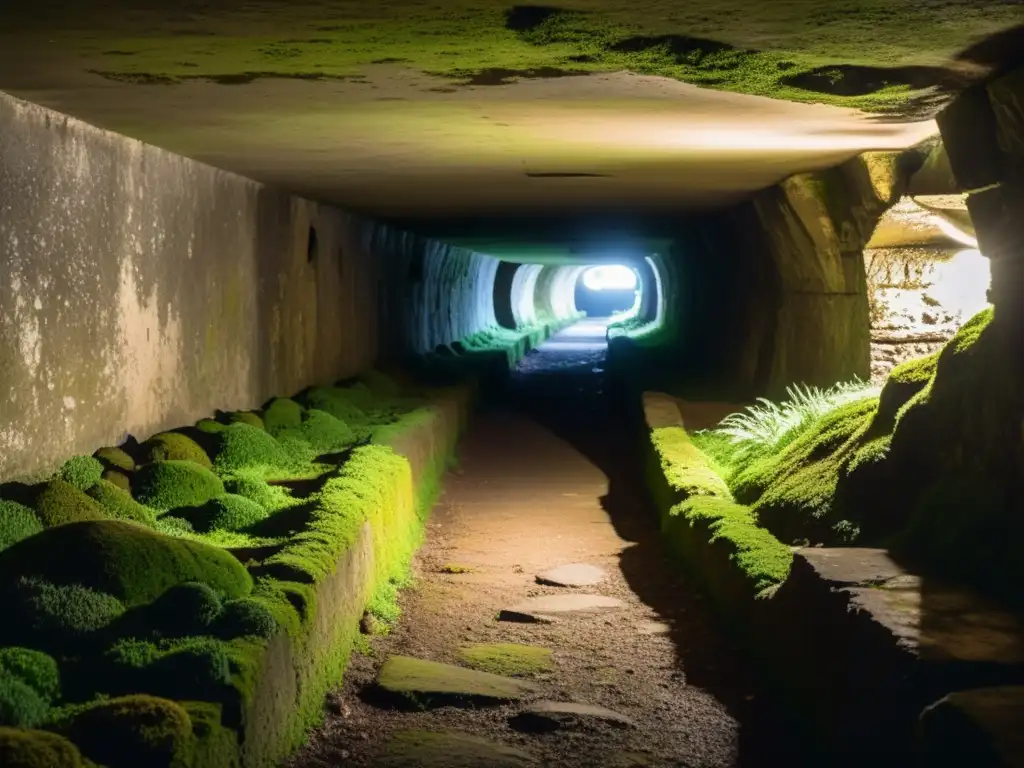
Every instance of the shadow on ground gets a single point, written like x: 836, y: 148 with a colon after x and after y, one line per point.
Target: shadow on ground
x: 562, y: 386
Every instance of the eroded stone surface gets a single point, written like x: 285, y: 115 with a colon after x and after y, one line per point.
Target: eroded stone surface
x: 552, y: 715
x: 538, y: 608
x: 449, y: 749
x: 572, y: 575
x: 430, y: 682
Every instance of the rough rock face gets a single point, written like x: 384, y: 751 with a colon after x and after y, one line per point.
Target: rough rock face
x: 774, y: 291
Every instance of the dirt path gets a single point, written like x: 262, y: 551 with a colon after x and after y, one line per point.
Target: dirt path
x: 547, y: 481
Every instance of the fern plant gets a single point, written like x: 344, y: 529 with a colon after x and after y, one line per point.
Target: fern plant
x: 768, y: 427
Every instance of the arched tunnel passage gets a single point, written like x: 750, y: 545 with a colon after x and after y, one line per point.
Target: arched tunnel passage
x: 305, y: 510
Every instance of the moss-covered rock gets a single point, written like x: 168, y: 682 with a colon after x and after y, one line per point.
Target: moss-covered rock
x: 20, y: 705
x: 333, y: 400
x: 282, y: 413
x: 55, y: 617
x: 133, y: 731
x: 905, y: 381
x: 184, y: 609
x: 173, y: 446
x: 34, y: 668
x: 123, y: 559
x: 242, y: 448
x: 17, y: 522
x: 210, y: 426
x: 246, y: 417
x: 684, y: 467
x: 226, y: 512
x: 118, y: 478
x: 22, y: 748
x: 254, y: 488
x: 58, y: 502
x: 165, y: 485
x: 120, y: 505
x: 510, y: 659
x: 182, y: 669
x: 247, y: 617
x: 81, y: 471
x: 115, y: 458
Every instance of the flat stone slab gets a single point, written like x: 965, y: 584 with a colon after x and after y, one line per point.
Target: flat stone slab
x: 539, y: 608
x: 552, y: 715
x: 572, y: 575
x: 449, y: 749
x: 980, y: 728
x: 429, y: 683
x: 850, y: 567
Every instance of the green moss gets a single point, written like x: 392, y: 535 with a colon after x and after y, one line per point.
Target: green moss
x: 904, y: 382
x: 243, y: 447
x: 227, y: 512
x: 455, y: 568
x: 123, y: 559
x: 178, y: 668
x: 282, y: 413
x: 165, y: 485
x: 216, y: 746
x: 21, y: 748
x: 247, y: 617
x: 210, y: 426
x: 333, y: 400
x: 58, y: 502
x: 325, y: 432
x: 795, y: 490
x: 17, y: 522
x: 510, y: 659
x: 246, y: 417
x: 686, y: 469
x: 255, y: 488
x: 133, y: 731
x: 172, y: 446
x: 120, y: 505
x: 115, y: 458
x: 34, y: 668
x: 118, y: 478
x: 55, y: 616
x: 762, y: 559
x: 20, y: 705
x: 185, y: 609
x: 380, y: 382
x: 81, y: 471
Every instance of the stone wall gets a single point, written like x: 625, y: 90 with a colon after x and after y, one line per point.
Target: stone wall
x: 140, y: 290
x: 773, y: 292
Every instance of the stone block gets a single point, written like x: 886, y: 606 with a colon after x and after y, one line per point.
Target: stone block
x: 1006, y: 94
x: 968, y: 127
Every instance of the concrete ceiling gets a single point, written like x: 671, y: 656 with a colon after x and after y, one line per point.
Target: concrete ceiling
x: 595, y: 154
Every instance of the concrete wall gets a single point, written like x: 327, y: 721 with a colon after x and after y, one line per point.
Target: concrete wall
x: 140, y: 290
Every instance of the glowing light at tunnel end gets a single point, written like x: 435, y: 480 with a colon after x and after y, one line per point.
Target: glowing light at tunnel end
x: 610, y: 277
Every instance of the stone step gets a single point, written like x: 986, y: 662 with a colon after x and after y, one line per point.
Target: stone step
x: 539, y: 609
x: 868, y: 644
x: 572, y: 575
x: 449, y: 749
x: 981, y: 728
x: 544, y: 716
x: 405, y: 681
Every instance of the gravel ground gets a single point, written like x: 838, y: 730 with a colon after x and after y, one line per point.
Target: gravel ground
x: 547, y: 479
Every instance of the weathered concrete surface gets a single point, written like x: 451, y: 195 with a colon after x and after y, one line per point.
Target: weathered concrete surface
x: 141, y: 290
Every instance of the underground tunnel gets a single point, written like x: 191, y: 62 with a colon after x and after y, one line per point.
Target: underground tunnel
x: 611, y: 385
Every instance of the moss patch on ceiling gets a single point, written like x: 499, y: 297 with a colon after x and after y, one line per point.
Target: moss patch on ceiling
x: 870, y: 54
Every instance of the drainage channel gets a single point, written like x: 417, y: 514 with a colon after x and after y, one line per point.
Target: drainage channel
x: 546, y: 625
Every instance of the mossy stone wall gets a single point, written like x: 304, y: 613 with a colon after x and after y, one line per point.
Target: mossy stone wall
x: 142, y: 290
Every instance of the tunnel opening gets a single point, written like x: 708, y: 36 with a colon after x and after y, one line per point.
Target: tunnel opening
x: 607, y: 290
